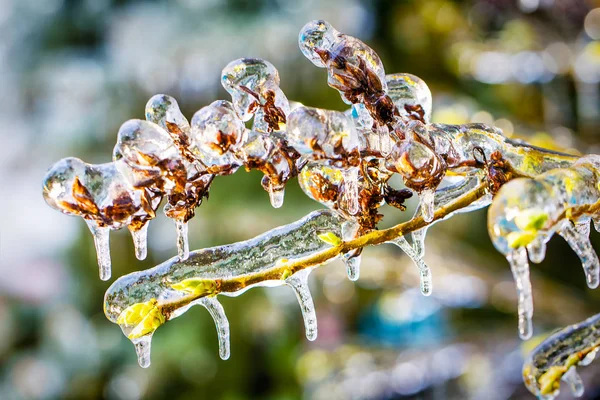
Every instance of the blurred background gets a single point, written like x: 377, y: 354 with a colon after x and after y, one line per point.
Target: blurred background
x: 71, y: 72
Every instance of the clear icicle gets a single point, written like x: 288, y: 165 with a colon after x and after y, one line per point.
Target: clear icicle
x: 418, y: 241
x: 351, y: 259
x: 140, y: 241
x: 537, y: 250
x: 426, y: 201
x: 520, y: 269
x: 142, y: 349
x: 351, y: 189
x: 299, y: 282
x: 218, y: 314
x: 352, y: 263
x: 276, y: 196
x: 183, y: 246
x: 102, y: 244
x: 572, y: 378
x: 583, y: 248
x: 424, y: 271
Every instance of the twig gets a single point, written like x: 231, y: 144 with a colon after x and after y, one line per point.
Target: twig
x: 283, y: 269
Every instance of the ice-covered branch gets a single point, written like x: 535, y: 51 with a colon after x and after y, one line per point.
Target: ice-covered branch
x: 343, y: 160
x: 527, y: 212
x: 557, y: 357
x: 142, y: 301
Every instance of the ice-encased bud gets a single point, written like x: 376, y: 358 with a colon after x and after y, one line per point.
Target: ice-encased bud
x: 58, y: 185
x: 149, y: 151
x: 217, y: 132
x: 253, y: 84
x: 408, y: 92
x: 164, y: 111
x: 102, y: 196
x: 318, y: 132
x: 343, y: 56
x: 321, y: 183
x: 317, y: 34
x: 417, y: 163
x: 520, y: 210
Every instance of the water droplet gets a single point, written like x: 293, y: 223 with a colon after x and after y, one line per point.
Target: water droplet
x: 102, y: 244
x: 140, y: 241
x: 142, y: 348
x: 217, y: 312
x: 299, y: 282
x: 183, y: 246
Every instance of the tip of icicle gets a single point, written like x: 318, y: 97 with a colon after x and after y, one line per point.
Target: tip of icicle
x: 592, y: 280
x: 525, y: 329
x: 105, y: 275
x: 276, y: 197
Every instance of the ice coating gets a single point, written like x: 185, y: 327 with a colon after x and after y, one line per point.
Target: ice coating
x: 217, y: 133
x: 323, y: 45
x: 353, y: 68
x: 320, y: 133
x: 464, y: 148
x: 558, y: 357
x: 164, y: 111
x: 103, y: 197
x: 142, y: 301
x: 253, y: 84
x: 410, y: 95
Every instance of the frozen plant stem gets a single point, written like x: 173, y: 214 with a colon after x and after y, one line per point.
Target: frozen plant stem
x: 370, y: 239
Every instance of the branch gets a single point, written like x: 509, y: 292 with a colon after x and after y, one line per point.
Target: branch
x: 557, y: 356
x: 284, y: 269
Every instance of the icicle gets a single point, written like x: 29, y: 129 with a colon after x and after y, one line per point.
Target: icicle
x: 351, y: 190
x: 596, y: 221
x: 140, y: 241
x: 218, y: 314
x: 537, y: 250
x: 424, y: 271
x: 102, y: 244
x: 572, y: 378
x: 276, y: 196
x: 142, y: 348
x: 418, y: 241
x: 351, y: 259
x: 183, y: 246
x: 426, y: 200
x: 520, y: 269
x: 583, y: 248
x: 299, y: 282
x: 352, y: 265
